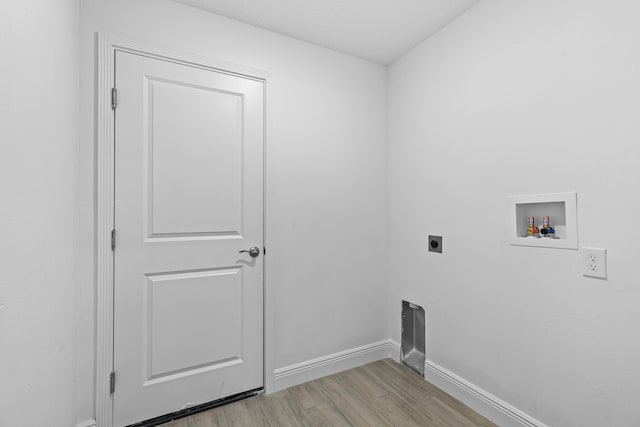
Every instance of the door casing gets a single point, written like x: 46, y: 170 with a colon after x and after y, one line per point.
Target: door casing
x: 104, y: 216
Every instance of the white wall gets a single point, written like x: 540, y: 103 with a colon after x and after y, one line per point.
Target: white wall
x: 38, y: 186
x: 326, y: 196
x: 523, y: 97
x: 471, y: 112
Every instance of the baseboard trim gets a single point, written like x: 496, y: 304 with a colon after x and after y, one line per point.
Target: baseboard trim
x: 470, y: 394
x: 478, y: 399
x: 491, y: 407
x: 299, y: 373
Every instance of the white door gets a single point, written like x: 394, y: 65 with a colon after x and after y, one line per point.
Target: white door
x: 188, y: 306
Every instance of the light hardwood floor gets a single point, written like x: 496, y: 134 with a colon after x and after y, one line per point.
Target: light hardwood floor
x: 383, y: 393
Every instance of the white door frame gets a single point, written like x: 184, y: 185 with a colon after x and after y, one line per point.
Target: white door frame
x: 104, y: 217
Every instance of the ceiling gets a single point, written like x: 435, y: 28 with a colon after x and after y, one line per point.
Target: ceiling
x: 376, y: 30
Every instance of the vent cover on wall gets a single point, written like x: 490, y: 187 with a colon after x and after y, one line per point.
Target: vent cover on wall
x: 413, y: 337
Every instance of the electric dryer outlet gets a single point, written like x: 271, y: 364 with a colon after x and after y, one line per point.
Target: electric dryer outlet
x: 594, y: 262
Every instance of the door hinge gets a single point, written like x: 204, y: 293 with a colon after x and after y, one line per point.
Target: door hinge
x: 112, y: 382
x: 114, y: 98
x: 113, y: 239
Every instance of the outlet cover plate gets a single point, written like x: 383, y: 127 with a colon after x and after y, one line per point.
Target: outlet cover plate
x: 435, y: 244
x: 594, y: 262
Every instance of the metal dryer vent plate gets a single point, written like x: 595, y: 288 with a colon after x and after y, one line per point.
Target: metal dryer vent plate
x: 413, y: 337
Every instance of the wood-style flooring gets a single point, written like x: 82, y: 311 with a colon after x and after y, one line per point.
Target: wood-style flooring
x: 383, y: 393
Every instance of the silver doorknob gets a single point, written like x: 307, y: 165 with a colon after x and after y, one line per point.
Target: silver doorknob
x: 254, y: 251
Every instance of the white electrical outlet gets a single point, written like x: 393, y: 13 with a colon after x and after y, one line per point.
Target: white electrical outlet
x: 594, y: 262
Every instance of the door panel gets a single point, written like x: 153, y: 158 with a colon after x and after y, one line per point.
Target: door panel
x: 207, y: 187
x: 188, y: 319
x: 192, y: 301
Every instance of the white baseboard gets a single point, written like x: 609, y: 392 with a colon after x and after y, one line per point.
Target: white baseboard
x: 299, y: 373
x: 478, y: 399
x: 483, y: 402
